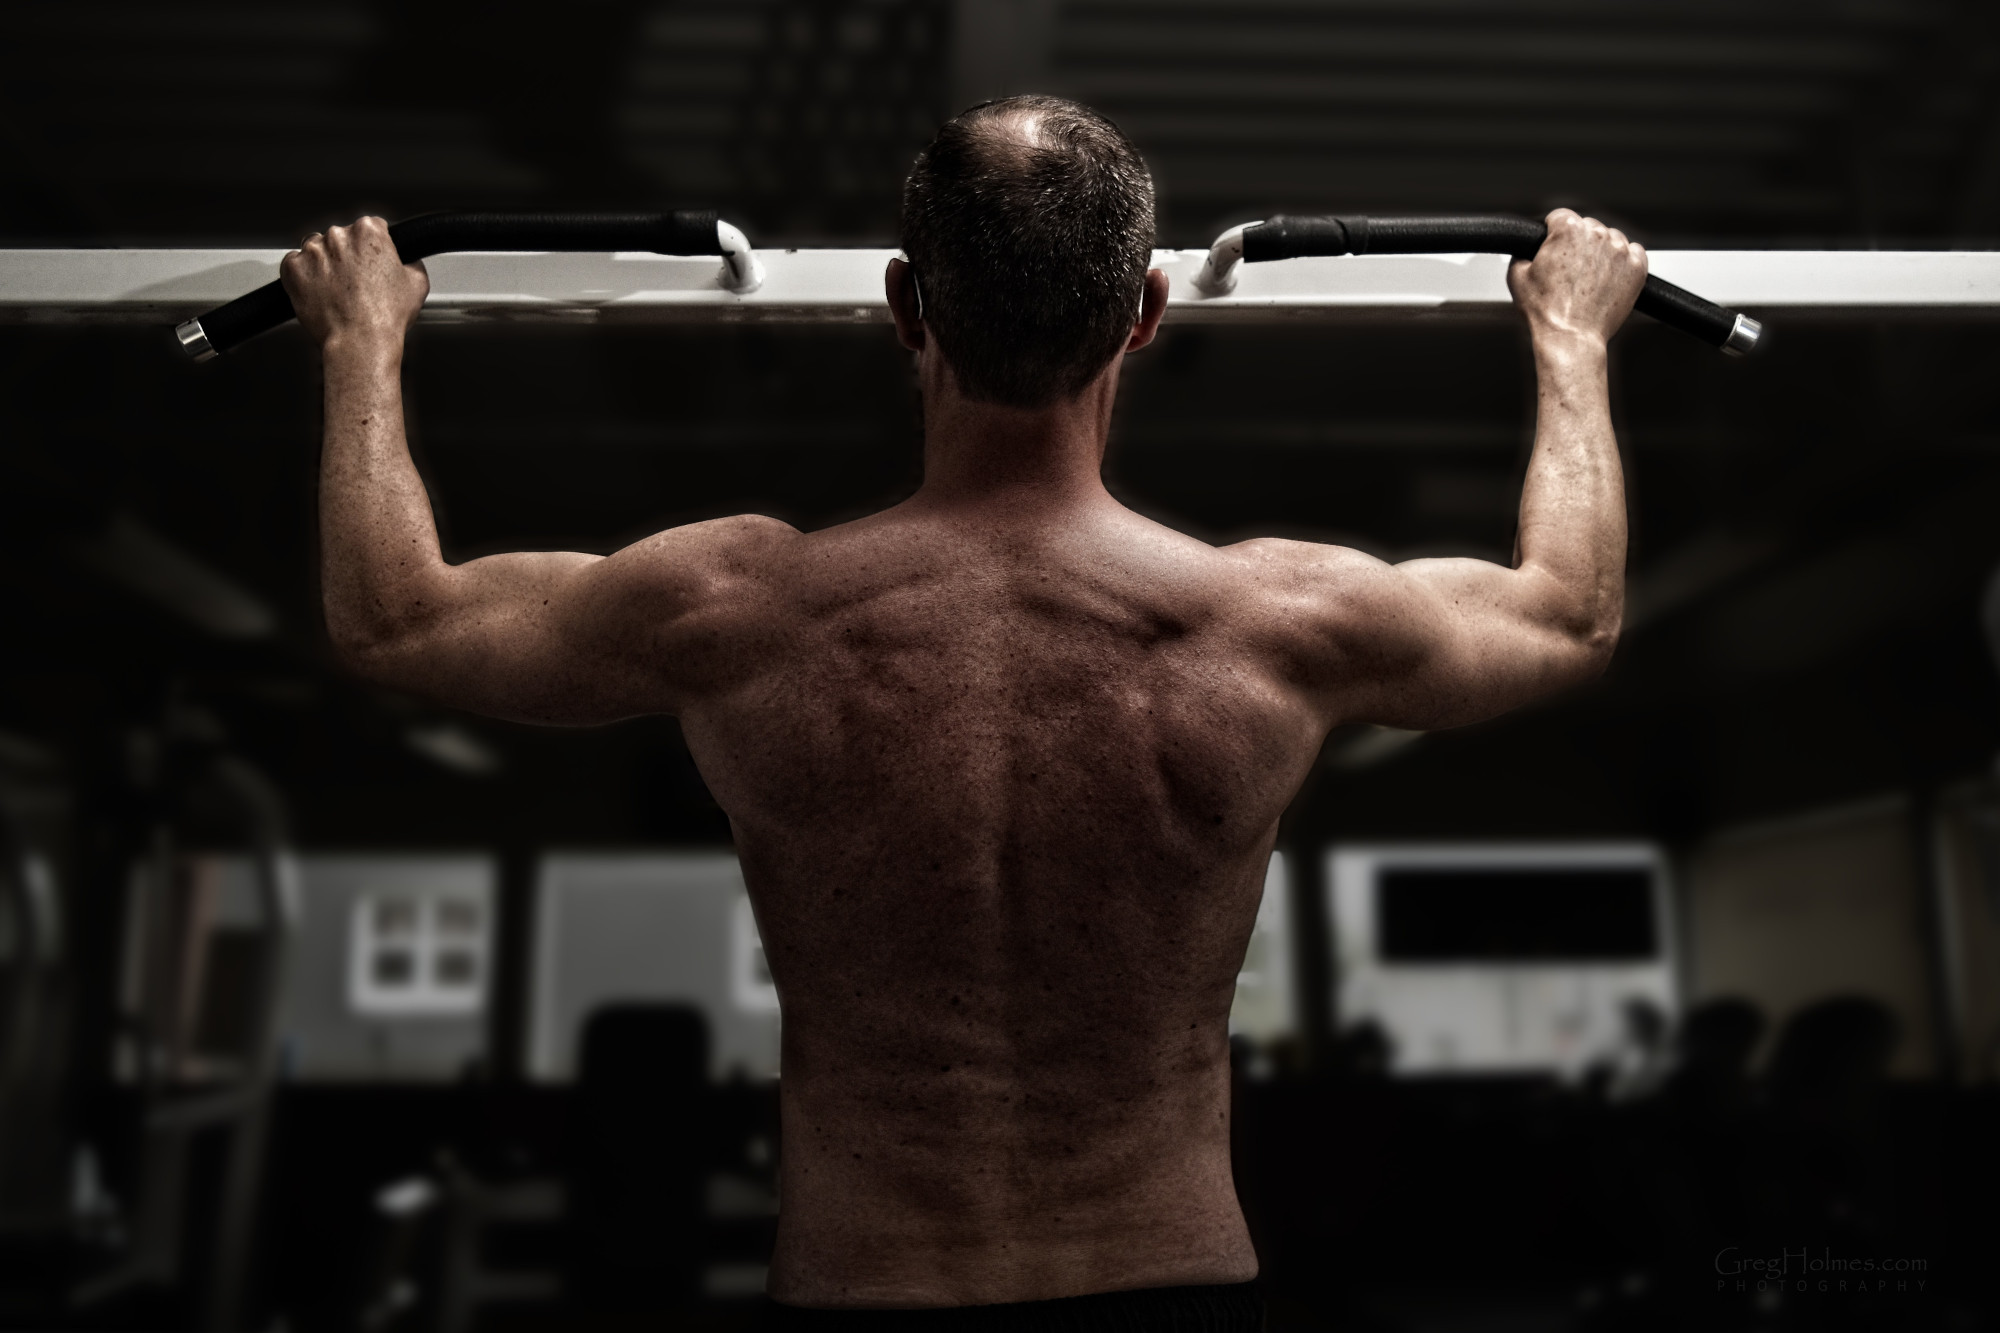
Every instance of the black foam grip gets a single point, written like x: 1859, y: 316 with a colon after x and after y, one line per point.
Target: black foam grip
x: 1685, y: 311
x: 248, y: 315
x: 686, y: 233
x: 1296, y: 238
x: 690, y: 232
x: 1499, y: 234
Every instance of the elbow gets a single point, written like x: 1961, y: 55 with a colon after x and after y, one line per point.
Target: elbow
x: 373, y: 648
x: 1588, y: 621
x: 1592, y: 644
x: 1596, y: 651
x: 378, y: 627
x: 1584, y: 616
x: 362, y: 654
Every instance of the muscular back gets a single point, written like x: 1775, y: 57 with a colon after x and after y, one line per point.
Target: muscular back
x: 1004, y: 794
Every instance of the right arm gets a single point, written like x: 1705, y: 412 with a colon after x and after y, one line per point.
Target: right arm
x: 1438, y: 643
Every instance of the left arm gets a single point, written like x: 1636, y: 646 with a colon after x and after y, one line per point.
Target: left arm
x: 542, y: 636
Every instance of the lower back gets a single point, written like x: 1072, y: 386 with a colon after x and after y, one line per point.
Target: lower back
x: 1002, y: 1091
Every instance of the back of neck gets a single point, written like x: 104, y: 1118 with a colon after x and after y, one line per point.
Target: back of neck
x: 978, y: 452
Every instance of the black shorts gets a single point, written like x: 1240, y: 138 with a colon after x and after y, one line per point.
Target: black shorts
x: 1236, y: 1308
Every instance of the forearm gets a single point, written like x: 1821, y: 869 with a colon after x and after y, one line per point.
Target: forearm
x: 1572, y: 524
x: 1467, y: 639
x: 381, y: 569
x: 481, y: 635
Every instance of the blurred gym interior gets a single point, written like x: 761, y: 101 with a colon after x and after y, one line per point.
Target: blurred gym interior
x: 327, y: 1009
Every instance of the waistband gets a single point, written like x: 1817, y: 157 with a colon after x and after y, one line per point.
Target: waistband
x: 1233, y: 1308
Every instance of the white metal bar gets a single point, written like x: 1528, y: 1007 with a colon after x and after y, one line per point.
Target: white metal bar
x: 845, y: 286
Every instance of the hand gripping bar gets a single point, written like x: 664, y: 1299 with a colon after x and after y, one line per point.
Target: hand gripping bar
x: 1296, y: 238
x: 683, y: 233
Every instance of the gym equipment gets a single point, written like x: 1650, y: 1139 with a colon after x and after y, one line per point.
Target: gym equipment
x: 192, y: 1083
x: 684, y: 233
x: 33, y: 1035
x: 692, y: 233
x: 638, y: 1185
x: 1519, y: 238
x: 845, y: 286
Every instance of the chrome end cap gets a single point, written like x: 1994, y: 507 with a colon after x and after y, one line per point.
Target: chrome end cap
x: 194, y: 340
x: 1742, y: 339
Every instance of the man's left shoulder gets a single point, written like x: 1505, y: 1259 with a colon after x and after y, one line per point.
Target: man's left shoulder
x: 742, y: 544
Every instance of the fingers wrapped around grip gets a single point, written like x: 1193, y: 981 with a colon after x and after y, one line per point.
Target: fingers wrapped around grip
x: 688, y: 232
x: 1283, y: 237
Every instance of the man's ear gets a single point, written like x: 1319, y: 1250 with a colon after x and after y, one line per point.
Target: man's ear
x: 904, y: 305
x: 1152, y: 305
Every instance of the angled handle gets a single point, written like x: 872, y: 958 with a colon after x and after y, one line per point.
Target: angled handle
x: 684, y: 233
x: 1491, y: 233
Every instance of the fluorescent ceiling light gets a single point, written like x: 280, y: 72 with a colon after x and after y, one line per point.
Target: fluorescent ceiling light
x: 1370, y: 746
x: 451, y: 746
x: 131, y: 554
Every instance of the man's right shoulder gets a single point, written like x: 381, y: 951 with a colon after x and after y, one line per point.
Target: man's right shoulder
x: 1316, y: 577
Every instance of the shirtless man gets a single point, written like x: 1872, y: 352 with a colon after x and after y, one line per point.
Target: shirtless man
x: 1004, y: 762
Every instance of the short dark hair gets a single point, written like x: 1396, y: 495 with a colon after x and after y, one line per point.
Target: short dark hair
x: 1029, y: 221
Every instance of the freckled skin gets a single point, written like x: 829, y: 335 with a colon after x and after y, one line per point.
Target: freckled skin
x: 1004, y: 763
x: 1004, y: 806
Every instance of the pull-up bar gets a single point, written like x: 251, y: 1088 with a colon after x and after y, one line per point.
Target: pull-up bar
x: 620, y: 279
x: 691, y: 233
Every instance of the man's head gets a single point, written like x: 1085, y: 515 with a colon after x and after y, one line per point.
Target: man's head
x: 1029, y: 224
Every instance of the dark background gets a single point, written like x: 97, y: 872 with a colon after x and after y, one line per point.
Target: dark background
x: 1812, y: 528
